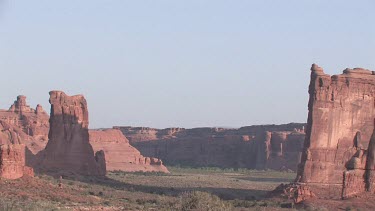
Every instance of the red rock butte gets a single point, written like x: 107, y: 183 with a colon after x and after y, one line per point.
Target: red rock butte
x: 338, y: 155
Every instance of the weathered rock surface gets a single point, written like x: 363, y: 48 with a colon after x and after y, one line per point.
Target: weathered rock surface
x: 264, y: 146
x: 120, y: 155
x: 31, y: 125
x: 68, y: 148
x: 338, y: 156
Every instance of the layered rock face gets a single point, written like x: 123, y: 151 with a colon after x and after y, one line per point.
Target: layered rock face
x: 338, y: 157
x: 68, y: 148
x: 120, y: 155
x: 32, y: 125
x: 264, y: 146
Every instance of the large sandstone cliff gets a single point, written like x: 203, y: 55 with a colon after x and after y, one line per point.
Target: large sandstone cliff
x: 338, y: 159
x: 263, y: 146
x: 68, y: 148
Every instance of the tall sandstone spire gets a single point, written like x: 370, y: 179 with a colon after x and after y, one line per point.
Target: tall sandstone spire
x: 68, y: 148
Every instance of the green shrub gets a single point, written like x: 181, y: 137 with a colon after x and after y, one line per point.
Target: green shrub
x: 348, y: 208
x: 197, y: 200
x: 243, y: 203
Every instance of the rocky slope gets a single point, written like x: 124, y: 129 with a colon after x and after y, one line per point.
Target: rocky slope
x: 260, y: 147
x: 120, y: 155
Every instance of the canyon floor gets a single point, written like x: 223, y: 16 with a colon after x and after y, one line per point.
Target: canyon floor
x: 220, y: 189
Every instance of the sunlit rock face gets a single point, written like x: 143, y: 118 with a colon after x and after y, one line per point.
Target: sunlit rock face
x: 68, y: 148
x: 337, y: 153
x: 120, y: 155
x: 256, y: 147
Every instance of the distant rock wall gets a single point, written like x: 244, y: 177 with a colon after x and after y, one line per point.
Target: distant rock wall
x: 338, y: 157
x: 263, y: 146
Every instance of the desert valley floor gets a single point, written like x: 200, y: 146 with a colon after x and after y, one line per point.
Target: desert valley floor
x: 214, y: 189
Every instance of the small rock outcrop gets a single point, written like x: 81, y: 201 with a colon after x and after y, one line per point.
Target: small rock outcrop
x: 68, y: 148
x: 120, y: 155
x: 338, y: 155
x: 12, y: 162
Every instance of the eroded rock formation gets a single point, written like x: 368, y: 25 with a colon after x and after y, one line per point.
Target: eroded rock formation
x: 120, y: 155
x: 68, y: 148
x: 338, y: 156
x: 264, y: 146
x: 24, y: 125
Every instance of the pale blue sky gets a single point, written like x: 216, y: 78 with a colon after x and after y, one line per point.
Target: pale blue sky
x: 189, y: 63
